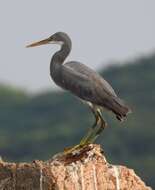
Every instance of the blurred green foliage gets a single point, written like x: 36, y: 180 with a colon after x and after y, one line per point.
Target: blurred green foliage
x: 38, y: 126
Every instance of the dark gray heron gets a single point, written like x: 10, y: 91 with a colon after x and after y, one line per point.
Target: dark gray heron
x: 84, y: 83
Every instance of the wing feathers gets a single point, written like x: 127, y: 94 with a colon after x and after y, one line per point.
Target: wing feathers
x: 90, y: 86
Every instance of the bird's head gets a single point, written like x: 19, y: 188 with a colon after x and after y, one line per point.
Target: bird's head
x: 57, y: 38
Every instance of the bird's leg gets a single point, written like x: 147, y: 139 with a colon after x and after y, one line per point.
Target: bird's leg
x: 86, y: 139
x: 99, y: 130
x: 95, y: 130
x: 93, y: 133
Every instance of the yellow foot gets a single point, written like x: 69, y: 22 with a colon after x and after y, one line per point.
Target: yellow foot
x: 73, y: 150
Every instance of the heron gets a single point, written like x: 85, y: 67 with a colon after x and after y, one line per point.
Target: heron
x: 84, y: 83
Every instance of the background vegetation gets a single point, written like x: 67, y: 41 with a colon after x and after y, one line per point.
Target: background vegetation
x: 38, y: 126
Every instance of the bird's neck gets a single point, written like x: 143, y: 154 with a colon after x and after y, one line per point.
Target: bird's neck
x: 59, y: 57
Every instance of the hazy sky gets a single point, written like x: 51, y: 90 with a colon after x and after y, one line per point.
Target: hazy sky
x: 101, y: 31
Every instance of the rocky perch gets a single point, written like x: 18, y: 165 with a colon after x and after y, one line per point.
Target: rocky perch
x: 86, y: 169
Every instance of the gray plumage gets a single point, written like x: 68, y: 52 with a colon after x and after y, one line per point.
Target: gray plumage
x: 85, y: 84
x: 82, y: 81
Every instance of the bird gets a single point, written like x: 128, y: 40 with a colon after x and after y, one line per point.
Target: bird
x: 85, y: 83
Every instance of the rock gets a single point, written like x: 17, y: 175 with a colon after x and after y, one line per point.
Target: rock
x: 85, y: 169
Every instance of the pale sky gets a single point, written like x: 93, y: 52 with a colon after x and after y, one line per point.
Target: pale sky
x: 101, y: 31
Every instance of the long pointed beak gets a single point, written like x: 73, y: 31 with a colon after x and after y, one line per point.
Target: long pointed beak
x: 42, y: 42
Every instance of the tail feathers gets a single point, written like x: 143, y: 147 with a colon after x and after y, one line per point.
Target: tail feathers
x: 120, y: 109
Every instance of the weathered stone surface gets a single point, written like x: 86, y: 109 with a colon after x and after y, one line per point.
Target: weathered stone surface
x: 86, y: 169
